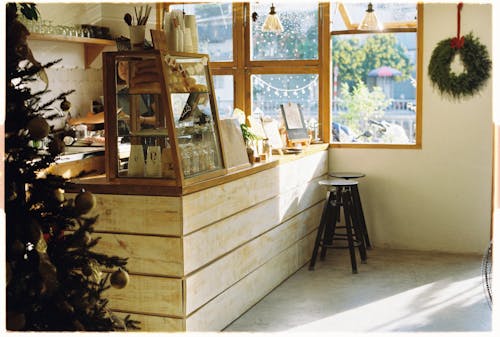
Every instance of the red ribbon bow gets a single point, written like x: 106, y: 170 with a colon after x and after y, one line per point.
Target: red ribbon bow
x: 458, y: 42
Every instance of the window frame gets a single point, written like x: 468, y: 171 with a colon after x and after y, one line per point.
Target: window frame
x: 242, y: 67
x: 403, y: 27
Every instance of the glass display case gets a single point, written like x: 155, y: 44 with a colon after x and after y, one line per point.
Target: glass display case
x: 162, y: 125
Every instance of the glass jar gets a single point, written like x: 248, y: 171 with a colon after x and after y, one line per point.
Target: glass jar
x: 267, y: 149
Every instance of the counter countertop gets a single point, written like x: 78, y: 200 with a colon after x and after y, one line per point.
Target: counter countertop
x: 99, y: 184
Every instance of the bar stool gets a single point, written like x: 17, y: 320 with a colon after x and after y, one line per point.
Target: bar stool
x: 340, y: 196
x: 357, y: 200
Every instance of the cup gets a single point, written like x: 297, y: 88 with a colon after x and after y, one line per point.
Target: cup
x: 81, y: 131
x: 137, y: 34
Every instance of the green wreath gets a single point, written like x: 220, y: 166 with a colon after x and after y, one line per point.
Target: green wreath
x: 476, y: 61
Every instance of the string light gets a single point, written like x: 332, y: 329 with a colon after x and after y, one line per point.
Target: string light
x: 311, y: 85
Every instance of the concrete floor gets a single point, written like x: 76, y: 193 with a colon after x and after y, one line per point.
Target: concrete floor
x: 396, y: 291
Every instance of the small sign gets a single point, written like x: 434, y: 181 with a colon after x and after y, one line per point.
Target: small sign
x: 294, y: 121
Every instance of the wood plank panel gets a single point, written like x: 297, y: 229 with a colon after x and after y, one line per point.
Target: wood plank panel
x: 242, y: 227
x: 299, y: 172
x: 226, y: 307
x: 306, y: 245
x: 153, y: 255
x: 210, y: 205
x: 150, y: 323
x: 213, y: 204
x: 220, y: 275
x: 148, y: 295
x: 138, y: 214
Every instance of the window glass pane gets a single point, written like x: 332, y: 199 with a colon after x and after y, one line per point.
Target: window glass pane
x: 298, y: 41
x: 386, y: 12
x: 215, y: 28
x: 269, y: 91
x: 374, y: 88
x: 224, y: 94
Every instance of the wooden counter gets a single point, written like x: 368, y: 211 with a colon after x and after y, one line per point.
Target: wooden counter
x: 79, y: 160
x: 200, y: 260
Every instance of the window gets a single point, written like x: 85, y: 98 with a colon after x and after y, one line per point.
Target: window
x: 215, y: 38
x: 215, y: 28
x: 336, y: 73
x: 270, y: 91
x: 224, y: 94
x: 299, y: 39
x: 374, y: 77
x: 284, y: 67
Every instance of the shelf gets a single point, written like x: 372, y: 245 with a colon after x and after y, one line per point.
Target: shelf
x: 92, y: 47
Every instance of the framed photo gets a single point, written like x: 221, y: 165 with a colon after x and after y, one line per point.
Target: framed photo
x: 294, y: 121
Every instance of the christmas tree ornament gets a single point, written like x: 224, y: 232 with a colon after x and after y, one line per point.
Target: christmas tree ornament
x: 119, y: 279
x: 475, y: 59
x: 65, y: 105
x: 41, y: 245
x: 85, y: 202
x: 38, y: 128
x: 87, y: 270
x: 15, y: 321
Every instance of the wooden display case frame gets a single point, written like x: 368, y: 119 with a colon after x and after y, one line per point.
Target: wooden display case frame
x: 159, y: 87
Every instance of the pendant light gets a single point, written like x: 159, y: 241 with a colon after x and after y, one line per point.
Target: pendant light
x: 370, y: 21
x: 272, y: 23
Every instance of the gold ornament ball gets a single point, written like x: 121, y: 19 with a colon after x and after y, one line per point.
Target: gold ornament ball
x: 84, y: 202
x: 119, y: 279
x: 38, y: 128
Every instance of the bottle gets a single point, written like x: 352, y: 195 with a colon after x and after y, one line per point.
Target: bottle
x: 267, y: 149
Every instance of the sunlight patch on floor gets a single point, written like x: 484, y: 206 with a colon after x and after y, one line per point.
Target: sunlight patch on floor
x: 413, y: 308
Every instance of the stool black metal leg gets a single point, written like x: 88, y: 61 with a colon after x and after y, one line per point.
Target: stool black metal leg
x: 361, y: 215
x: 357, y: 228
x: 319, y: 235
x: 358, y: 234
x: 350, y: 240
x: 333, y: 211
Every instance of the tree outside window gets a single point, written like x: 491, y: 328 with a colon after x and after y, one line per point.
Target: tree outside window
x: 373, y: 84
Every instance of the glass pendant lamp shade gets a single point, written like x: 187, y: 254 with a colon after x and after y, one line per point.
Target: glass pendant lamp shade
x: 272, y: 23
x: 370, y: 21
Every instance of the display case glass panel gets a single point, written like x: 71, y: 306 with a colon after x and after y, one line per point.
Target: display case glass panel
x: 161, y: 118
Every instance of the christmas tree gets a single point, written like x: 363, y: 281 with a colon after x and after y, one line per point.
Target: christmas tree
x: 55, y: 281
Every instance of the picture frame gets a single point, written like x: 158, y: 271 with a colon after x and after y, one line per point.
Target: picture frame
x: 294, y: 122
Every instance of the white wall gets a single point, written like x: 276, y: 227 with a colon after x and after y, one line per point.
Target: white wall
x: 70, y: 73
x: 439, y: 197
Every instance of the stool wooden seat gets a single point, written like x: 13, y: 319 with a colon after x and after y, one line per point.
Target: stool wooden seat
x: 357, y: 200
x: 340, y: 196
